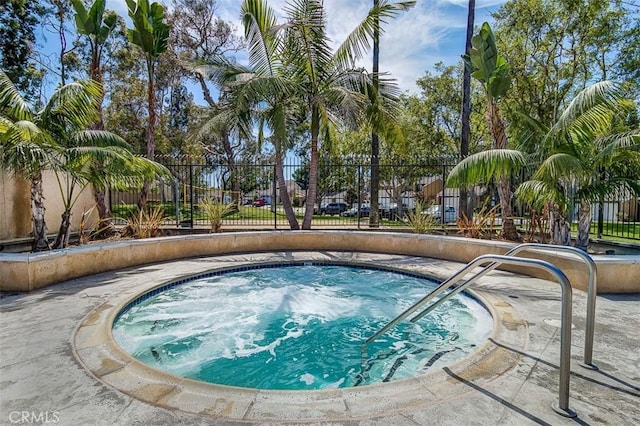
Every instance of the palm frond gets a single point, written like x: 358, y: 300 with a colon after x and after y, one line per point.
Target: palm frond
x: 537, y: 193
x: 484, y: 166
x: 97, y: 138
x: 357, y: 42
x: 560, y: 166
x: 610, y: 144
x: 260, y: 31
x: 75, y: 103
x: 604, y: 93
x: 12, y: 104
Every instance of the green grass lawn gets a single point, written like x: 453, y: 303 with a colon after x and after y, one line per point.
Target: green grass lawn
x: 627, y: 232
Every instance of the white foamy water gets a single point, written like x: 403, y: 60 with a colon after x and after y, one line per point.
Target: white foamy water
x: 296, y: 327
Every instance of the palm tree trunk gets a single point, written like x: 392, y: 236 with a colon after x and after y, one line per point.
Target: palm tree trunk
x: 584, y: 225
x: 106, y: 226
x: 62, y: 240
x: 233, y: 170
x: 313, y: 169
x: 509, y: 231
x: 558, y: 227
x: 465, y: 133
x: 151, y: 128
x: 40, y: 242
x: 284, y: 194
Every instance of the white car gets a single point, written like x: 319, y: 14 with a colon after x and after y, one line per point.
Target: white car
x: 450, y: 214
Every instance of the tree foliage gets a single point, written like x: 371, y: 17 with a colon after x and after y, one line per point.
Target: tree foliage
x: 18, y: 20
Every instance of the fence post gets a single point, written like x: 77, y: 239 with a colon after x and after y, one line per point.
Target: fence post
x: 358, y: 212
x: 175, y: 192
x: 191, y: 193
x: 274, y: 198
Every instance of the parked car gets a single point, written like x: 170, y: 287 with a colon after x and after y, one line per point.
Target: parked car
x: 365, y: 209
x: 450, y: 214
x: 333, y: 208
x: 259, y: 202
x: 390, y: 211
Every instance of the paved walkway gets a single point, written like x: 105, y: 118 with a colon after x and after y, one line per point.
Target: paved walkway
x: 42, y: 381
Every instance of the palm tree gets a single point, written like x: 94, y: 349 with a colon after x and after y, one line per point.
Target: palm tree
x: 26, y: 152
x: 57, y: 138
x: 328, y: 82
x: 588, y: 161
x: 293, y: 68
x: 151, y: 34
x: 260, y: 92
x: 492, y: 70
x: 67, y: 118
x: 97, y: 26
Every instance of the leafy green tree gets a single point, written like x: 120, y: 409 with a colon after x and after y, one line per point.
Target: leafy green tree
x: 558, y: 47
x: 151, y: 34
x: 492, y: 70
x: 199, y: 35
x: 588, y: 158
x: 18, y: 20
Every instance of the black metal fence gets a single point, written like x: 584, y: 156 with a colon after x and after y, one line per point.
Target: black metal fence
x: 343, y: 199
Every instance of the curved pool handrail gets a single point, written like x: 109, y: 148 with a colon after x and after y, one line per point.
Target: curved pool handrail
x: 591, y: 292
x: 562, y: 407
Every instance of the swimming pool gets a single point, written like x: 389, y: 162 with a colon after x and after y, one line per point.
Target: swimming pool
x: 296, y: 326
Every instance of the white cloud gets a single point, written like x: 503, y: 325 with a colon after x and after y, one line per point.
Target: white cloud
x: 433, y: 31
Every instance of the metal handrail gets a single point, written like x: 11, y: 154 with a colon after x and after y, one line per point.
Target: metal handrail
x: 562, y: 407
x: 591, y: 292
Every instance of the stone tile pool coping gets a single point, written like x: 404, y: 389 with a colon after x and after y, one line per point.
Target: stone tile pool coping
x: 30, y: 271
x: 97, y: 350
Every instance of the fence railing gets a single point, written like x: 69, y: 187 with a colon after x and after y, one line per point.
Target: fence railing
x: 343, y: 196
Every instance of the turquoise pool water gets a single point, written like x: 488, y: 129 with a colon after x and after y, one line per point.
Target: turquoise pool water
x: 297, y: 327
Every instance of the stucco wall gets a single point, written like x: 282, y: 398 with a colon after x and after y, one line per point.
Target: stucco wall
x: 15, y: 216
x: 26, y: 272
x: 15, y: 206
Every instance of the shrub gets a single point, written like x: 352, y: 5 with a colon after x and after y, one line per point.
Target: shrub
x: 145, y: 223
x: 419, y: 222
x: 480, y: 226
x: 215, y: 211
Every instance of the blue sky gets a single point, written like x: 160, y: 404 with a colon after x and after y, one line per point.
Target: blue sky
x: 433, y: 31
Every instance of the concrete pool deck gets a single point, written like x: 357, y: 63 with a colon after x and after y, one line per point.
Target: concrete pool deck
x: 41, y: 375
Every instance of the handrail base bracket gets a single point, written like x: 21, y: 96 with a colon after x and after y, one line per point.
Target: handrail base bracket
x: 589, y: 366
x: 569, y: 413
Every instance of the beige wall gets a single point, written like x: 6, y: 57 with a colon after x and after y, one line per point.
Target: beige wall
x: 15, y: 206
x: 15, y: 216
x: 28, y: 271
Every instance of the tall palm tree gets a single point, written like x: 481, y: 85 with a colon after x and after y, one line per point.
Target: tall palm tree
x: 294, y: 61
x: 492, y: 71
x: 328, y: 81
x: 263, y: 89
x: 97, y: 25
x: 588, y: 161
x: 151, y: 34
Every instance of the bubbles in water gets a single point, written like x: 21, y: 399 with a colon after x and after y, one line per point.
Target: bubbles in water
x: 297, y: 328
